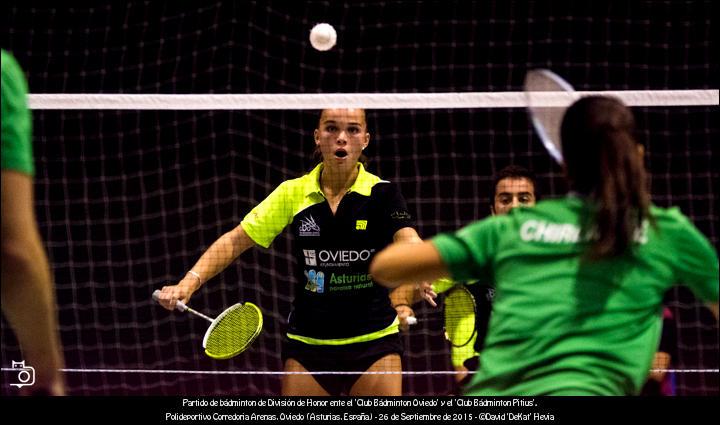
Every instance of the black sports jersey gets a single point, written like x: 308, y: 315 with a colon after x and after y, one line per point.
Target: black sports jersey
x: 335, y: 297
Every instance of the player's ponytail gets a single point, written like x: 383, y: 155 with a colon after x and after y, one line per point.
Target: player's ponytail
x: 603, y: 162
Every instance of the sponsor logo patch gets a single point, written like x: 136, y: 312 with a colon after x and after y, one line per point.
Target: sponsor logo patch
x: 315, y: 281
x: 308, y: 227
x: 310, y: 257
x: 400, y: 215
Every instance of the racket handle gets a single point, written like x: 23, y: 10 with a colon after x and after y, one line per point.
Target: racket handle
x: 179, y: 305
x: 411, y: 320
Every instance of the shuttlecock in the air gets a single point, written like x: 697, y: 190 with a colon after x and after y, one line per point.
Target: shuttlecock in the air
x: 323, y: 37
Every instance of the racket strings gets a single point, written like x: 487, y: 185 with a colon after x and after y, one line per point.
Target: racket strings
x: 459, y: 317
x: 234, y: 331
x: 543, y: 88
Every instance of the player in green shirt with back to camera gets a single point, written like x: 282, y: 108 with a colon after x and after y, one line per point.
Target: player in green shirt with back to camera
x: 579, y: 280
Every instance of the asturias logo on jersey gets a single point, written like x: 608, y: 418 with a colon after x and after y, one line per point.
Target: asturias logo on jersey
x: 308, y: 227
x: 315, y: 281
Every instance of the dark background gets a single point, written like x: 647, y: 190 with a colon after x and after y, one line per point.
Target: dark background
x: 128, y: 200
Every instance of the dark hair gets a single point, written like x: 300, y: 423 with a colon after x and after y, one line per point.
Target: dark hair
x: 513, y: 172
x: 602, y: 162
x: 317, y: 155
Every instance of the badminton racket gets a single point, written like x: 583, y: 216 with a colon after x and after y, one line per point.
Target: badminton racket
x: 548, y: 97
x: 232, y: 332
x: 460, y: 309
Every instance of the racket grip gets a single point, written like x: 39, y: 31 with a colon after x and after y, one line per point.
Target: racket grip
x: 411, y: 320
x: 179, y: 305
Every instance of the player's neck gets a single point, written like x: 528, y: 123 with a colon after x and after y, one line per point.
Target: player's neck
x: 337, y: 181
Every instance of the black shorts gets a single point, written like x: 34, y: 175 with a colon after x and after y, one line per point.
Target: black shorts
x: 340, y: 358
x: 472, y: 365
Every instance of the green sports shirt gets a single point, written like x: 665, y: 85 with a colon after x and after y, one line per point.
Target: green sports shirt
x: 564, y: 326
x: 16, y: 119
x: 337, y: 302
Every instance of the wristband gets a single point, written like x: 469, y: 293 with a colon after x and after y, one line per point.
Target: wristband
x: 196, y: 275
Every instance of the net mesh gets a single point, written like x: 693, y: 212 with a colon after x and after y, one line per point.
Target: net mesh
x: 128, y: 200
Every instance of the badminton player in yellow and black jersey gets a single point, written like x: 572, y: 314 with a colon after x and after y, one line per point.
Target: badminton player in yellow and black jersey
x: 340, y: 215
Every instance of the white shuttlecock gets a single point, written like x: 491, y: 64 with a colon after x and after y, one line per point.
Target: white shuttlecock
x: 323, y: 37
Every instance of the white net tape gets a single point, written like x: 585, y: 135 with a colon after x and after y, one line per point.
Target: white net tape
x: 357, y: 100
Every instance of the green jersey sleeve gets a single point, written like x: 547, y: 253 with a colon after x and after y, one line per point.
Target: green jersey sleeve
x: 468, y: 253
x: 16, y: 119
x: 697, y: 261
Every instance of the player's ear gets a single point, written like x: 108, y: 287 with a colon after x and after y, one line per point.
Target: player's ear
x: 317, y: 138
x: 367, y: 140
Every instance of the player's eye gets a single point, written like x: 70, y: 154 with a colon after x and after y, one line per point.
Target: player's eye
x: 525, y: 199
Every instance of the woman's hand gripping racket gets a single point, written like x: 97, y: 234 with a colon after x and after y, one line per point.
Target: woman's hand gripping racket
x: 548, y: 97
x: 231, y: 332
x: 460, y: 309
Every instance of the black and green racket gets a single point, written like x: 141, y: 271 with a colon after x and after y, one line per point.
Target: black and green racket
x: 232, y: 332
x: 460, y: 309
